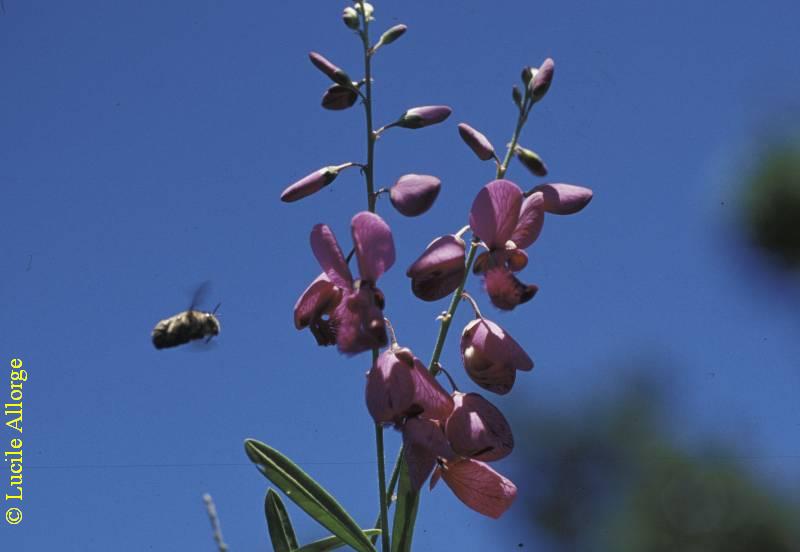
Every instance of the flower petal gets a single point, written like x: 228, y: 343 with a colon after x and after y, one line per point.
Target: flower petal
x: 505, y: 290
x: 495, y: 212
x: 359, y: 321
x: 423, y: 443
x: 480, y: 487
x: 390, y: 389
x: 491, y: 356
x: 374, y: 245
x: 564, y: 199
x: 329, y: 255
x: 315, y: 300
x: 439, y: 270
x: 432, y: 400
x: 531, y: 220
x: 339, y: 97
x: 477, y: 429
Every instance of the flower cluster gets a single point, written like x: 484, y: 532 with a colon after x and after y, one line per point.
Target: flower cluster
x: 446, y: 435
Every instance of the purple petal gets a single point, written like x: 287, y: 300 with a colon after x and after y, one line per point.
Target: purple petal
x: 318, y: 300
x: 531, y: 220
x: 423, y: 443
x: 431, y: 400
x: 374, y: 245
x: 329, y: 255
x: 413, y: 194
x: 477, y: 429
x: 390, y: 389
x: 477, y: 142
x: 495, y: 212
x: 480, y: 487
x: 359, y: 321
x: 439, y: 270
x: 309, y: 185
x: 564, y: 199
x: 505, y: 290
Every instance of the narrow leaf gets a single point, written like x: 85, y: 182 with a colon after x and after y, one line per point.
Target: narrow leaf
x: 307, y: 493
x: 280, y: 526
x: 331, y: 543
x: 405, y: 514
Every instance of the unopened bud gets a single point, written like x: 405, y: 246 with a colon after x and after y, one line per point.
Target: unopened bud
x: 413, y: 194
x: 542, y: 80
x: 368, y: 10
x: 310, y: 184
x: 335, y: 73
x: 419, y: 117
x: 517, y: 96
x: 392, y: 34
x: 339, y: 97
x: 350, y: 18
x: 531, y: 161
x: 476, y: 141
x: 527, y: 75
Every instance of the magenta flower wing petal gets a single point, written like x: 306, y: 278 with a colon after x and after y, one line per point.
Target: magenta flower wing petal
x: 498, y: 343
x: 477, y: 429
x: 429, y: 395
x: 505, y: 290
x: 439, y: 270
x: 564, y: 199
x: 531, y: 220
x: 423, y: 443
x: 495, y: 212
x: 329, y: 255
x: 480, y: 487
x: 315, y: 300
x: 374, y: 245
x: 390, y: 389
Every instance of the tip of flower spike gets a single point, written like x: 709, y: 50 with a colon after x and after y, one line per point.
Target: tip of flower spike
x: 540, y: 83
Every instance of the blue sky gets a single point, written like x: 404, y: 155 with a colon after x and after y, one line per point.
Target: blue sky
x: 143, y: 149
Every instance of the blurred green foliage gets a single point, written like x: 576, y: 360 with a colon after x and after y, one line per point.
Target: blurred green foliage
x: 610, y: 478
x: 772, y: 204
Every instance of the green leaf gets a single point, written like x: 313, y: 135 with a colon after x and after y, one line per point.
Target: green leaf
x: 280, y: 526
x: 331, y: 543
x: 405, y: 513
x: 307, y: 493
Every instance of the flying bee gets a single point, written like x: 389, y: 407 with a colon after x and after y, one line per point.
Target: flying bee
x: 187, y: 326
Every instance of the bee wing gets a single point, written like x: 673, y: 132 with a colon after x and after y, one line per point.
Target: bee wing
x: 200, y: 294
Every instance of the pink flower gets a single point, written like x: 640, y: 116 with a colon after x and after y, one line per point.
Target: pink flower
x: 491, y: 356
x: 399, y: 386
x: 414, y: 194
x: 338, y: 308
x: 477, y: 485
x: 507, y: 223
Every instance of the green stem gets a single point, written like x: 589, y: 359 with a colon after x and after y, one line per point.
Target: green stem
x: 384, y: 517
x: 503, y: 167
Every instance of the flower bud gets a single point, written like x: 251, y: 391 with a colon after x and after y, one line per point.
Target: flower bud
x: 476, y: 141
x: 516, y: 95
x: 564, y: 199
x: 542, y: 80
x: 392, y: 34
x: 439, y: 270
x: 310, y: 184
x: 418, y: 117
x: 350, y: 18
x: 335, y: 73
x: 339, y: 97
x: 368, y: 10
x: 491, y: 356
x: 413, y: 194
x: 527, y: 75
x: 477, y: 429
x: 531, y: 161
